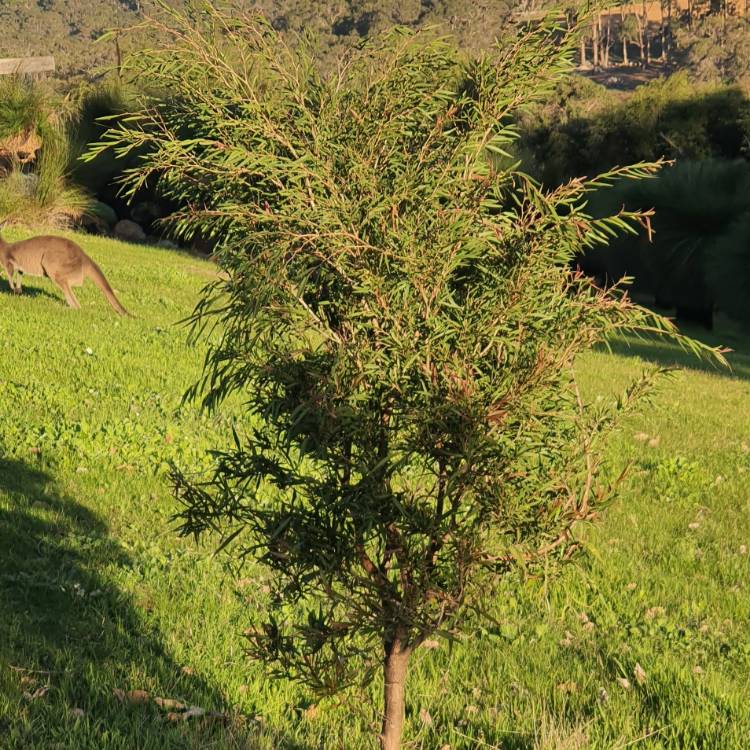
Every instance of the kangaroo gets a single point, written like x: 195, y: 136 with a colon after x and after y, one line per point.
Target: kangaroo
x: 56, y: 258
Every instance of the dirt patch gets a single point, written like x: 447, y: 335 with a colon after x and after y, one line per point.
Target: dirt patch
x: 623, y: 78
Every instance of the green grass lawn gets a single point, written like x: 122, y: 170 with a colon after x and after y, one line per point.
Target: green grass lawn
x: 646, y: 645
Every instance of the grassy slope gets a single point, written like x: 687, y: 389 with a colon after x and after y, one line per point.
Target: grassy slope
x: 96, y: 593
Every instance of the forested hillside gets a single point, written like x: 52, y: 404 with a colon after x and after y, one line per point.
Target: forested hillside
x: 67, y: 28
x: 710, y: 39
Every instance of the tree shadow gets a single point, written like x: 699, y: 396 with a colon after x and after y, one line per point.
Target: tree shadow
x: 662, y: 351
x: 66, y: 627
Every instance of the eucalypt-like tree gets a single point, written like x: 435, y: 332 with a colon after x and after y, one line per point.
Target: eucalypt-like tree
x: 398, y: 313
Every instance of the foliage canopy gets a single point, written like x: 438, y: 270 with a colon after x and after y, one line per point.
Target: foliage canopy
x: 399, y: 316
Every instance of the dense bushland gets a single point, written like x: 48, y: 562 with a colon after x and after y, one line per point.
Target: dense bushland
x: 583, y: 127
x: 695, y: 254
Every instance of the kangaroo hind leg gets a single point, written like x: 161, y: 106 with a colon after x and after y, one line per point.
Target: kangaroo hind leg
x: 70, y: 298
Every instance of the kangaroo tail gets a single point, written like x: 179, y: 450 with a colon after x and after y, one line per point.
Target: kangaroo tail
x: 95, y: 274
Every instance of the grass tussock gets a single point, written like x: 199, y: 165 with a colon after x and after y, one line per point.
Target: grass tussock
x: 36, y: 153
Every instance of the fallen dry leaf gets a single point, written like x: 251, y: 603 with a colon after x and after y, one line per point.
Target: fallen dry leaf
x: 311, y: 712
x: 135, y: 697
x: 654, y: 612
x: 425, y: 717
x: 624, y: 683
x: 40, y: 692
x: 641, y: 437
x: 639, y: 673
x: 170, y: 704
x: 188, y: 670
x: 77, y: 712
x: 430, y: 644
x: 654, y: 442
x: 194, y: 711
x: 567, y: 687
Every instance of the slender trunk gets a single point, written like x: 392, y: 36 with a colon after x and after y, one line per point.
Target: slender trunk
x: 583, y: 51
x: 663, y: 32
x: 118, y: 56
x: 395, y: 667
x: 669, y: 29
x: 641, y: 45
x: 595, y: 43
x: 607, y: 42
x: 625, y: 60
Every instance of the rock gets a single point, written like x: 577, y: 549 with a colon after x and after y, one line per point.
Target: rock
x: 129, y: 231
x: 203, y: 245
x: 146, y: 212
x: 104, y: 213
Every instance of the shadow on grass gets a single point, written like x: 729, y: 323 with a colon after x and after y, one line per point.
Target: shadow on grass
x: 30, y: 291
x: 65, y: 626
x: 661, y: 351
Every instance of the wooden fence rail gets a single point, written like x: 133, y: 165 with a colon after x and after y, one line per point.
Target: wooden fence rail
x: 26, y: 65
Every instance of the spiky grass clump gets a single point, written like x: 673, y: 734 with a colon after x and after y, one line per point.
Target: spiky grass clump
x: 34, y: 185
x: 22, y: 107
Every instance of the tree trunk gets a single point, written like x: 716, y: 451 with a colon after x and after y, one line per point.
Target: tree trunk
x: 663, y: 33
x: 583, y: 51
x: 641, y: 45
x: 595, y: 43
x: 394, y: 671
